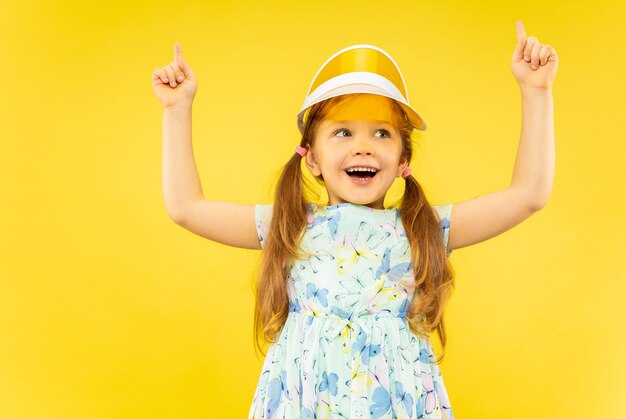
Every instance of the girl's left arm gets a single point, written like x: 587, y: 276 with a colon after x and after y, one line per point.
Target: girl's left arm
x: 533, y: 173
x: 534, y: 67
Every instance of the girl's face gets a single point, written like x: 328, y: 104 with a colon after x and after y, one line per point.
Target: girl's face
x: 358, y: 133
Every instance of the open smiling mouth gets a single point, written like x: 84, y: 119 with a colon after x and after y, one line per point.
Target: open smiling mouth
x: 362, y: 176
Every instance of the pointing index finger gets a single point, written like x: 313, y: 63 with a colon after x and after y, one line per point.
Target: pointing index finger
x: 521, y: 33
x: 177, y: 53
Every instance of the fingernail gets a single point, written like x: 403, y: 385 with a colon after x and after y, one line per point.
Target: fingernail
x: 180, y: 77
x: 166, y: 80
x: 534, y: 67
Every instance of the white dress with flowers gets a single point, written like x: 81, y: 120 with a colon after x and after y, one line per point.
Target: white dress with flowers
x: 346, y: 350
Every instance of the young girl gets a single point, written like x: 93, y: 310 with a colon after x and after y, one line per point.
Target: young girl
x: 349, y: 291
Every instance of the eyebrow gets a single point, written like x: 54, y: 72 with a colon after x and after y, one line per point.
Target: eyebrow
x: 351, y: 122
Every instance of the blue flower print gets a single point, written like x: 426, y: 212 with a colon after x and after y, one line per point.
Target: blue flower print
x: 332, y: 220
x: 359, y: 343
x: 329, y: 382
x: 381, y: 402
x: 294, y: 306
x: 319, y: 293
x: 424, y: 355
x: 370, y: 351
x: 333, y: 225
x: 405, y: 398
x: 275, y: 390
x: 393, y: 274
x: 444, y: 223
x: 404, y: 307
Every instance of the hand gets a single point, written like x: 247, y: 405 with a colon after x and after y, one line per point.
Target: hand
x: 530, y: 53
x: 175, y: 83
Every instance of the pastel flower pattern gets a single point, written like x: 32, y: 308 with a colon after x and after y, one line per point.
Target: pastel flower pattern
x: 346, y: 349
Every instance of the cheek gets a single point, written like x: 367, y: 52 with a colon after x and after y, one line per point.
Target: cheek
x: 391, y: 157
x: 331, y: 161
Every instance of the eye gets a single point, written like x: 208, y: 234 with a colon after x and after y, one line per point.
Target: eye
x: 380, y: 130
x: 386, y: 133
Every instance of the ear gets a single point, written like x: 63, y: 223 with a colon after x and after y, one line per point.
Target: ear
x: 312, y: 163
x: 401, y: 166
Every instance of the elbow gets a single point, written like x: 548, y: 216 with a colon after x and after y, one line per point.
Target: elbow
x: 181, y: 214
x: 176, y: 219
x: 534, y: 208
x: 537, y: 204
x: 535, y: 199
x: 176, y: 216
x: 175, y: 212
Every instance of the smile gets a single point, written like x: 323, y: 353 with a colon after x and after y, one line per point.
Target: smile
x: 361, y: 177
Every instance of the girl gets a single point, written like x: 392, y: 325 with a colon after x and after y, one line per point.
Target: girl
x: 349, y: 291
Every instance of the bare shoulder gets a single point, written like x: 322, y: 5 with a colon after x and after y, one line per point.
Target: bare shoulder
x: 223, y: 222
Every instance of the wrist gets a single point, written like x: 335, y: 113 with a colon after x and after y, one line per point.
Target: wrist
x: 178, y: 107
x: 535, y: 90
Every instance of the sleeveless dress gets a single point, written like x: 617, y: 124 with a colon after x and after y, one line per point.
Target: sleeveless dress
x: 346, y: 350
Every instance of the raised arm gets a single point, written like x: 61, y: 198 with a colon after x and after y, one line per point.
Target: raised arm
x: 534, y: 67
x: 181, y: 183
x: 223, y: 222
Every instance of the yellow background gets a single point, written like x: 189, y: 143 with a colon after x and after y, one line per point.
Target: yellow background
x: 110, y: 310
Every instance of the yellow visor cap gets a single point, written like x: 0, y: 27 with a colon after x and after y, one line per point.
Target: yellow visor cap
x: 364, y: 108
x: 359, y: 68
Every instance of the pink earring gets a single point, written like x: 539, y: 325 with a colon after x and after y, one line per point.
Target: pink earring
x: 406, y: 172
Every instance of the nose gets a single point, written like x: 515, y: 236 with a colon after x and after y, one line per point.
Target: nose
x: 362, y: 145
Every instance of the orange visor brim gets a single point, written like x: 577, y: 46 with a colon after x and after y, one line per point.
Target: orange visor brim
x: 361, y: 59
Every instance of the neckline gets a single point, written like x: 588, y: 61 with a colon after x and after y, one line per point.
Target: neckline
x: 351, y: 205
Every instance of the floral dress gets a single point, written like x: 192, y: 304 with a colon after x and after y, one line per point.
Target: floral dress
x: 346, y: 350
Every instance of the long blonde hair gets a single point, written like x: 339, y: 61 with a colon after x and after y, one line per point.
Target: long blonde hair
x: 434, y: 275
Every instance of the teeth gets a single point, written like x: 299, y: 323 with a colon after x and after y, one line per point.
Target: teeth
x: 368, y: 169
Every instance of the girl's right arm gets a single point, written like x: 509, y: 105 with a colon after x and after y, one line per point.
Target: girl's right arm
x: 223, y: 222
